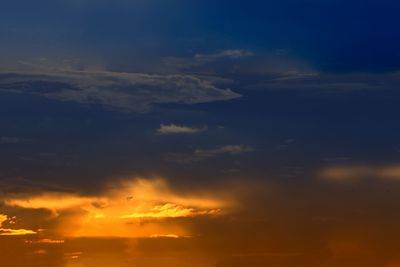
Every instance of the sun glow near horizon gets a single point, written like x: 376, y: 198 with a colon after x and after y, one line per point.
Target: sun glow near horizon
x: 136, y: 208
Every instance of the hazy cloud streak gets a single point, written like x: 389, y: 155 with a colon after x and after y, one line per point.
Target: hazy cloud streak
x: 131, y: 92
x: 169, y: 129
x: 203, y: 154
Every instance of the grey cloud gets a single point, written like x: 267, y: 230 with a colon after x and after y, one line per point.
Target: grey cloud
x: 325, y: 82
x: 12, y: 140
x: 131, y: 92
x: 177, y: 129
x: 204, y: 154
x: 205, y: 60
x: 23, y: 186
x: 226, y: 54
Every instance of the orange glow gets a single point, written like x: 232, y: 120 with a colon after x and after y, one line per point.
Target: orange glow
x: 168, y: 236
x: 45, y: 241
x: 119, y: 211
x: 11, y: 232
x: 73, y: 255
x: 5, y: 231
x: 345, y: 173
x: 40, y: 252
x: 352, y: 173
x: 51, y: 201
x: 169, y: 210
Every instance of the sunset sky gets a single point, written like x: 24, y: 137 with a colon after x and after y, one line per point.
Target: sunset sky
x: 199, y: 133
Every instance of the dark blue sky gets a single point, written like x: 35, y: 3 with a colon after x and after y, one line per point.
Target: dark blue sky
x: 329, y: 35
x: 323, y: 73
x: 319, y: 73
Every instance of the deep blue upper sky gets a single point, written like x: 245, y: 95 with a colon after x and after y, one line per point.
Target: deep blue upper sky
x: 330, y: 35
x: 317, y: 82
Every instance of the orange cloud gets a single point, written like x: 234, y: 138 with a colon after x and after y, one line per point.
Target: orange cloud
x: 351, y: 173
x: 45, y: 241
x: 345, y: 173
x: 168, y: 236
x: 121, y: 210
x: 10, y: 232
x: 170, y: 210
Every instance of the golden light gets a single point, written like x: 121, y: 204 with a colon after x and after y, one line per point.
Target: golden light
x: 122, y: 210
x: 12, y: 232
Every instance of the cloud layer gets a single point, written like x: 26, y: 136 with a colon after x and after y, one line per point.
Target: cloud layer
x: 131, y: 92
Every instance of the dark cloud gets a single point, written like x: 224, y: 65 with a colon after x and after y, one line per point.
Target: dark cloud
x: 327, y: 82
x: 130, y: 92
x: 204, y: 154
x: 12, y: 140
x: 226, y: 54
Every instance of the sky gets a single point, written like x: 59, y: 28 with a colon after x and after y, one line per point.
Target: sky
x: 199, y: 133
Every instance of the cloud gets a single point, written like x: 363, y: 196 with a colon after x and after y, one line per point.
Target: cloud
x: 12, y: 232
x: 206, y: 63
x: 12, y: 140
x: 170, y: 210
x: 312, y: 81
x: 357, y: 172
x: 203, y: 154
x: 121, y: 209
x: 130, y: 92
x: 167, y: 236
x: 176, y: 129
x: 226, y: 54
x: 20, y: 185
x: 45, y: 241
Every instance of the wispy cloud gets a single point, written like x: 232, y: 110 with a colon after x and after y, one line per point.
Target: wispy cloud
x: 226, y: 54
x: 314, y: 81
x: 169, y: 210
x: 169, y: 129
x: 8, y: 231
x: 45, y: 241
x: 12, y: 140
x: 196, y: 62
x: 347, y: 173
x: 203, y: 154
x: 131, y: 92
